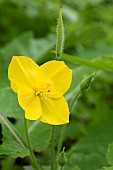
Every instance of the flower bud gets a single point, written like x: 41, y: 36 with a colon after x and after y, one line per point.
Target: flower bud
x: 85, y: 84
x: 62, y: 158
x: 60, y: 35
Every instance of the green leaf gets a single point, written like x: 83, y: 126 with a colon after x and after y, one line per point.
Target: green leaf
x: 88, y: 162
x: 3, y: 75
x: 67, y: 167
x: 40, y: 135
x: 27, y: 45
x: 109, y: 154
x: 11, y: 145
x: 103, y: 63
x: 45, y: 167
x: 108, y: 168
x: 89, y: 152
x: 9, y: 104
x: 76, y: 168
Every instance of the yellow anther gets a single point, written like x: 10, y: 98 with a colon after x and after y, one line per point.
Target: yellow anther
x: 43, y: 90
x: 37, y: 93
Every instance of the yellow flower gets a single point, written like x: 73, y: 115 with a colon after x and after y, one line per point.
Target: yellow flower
x: 40, y: 89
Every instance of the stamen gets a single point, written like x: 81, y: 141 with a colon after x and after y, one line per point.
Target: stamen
x: 43, y: 89
x: 37, y: 93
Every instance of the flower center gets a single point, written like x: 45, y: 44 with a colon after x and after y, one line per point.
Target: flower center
x: 44, y: 89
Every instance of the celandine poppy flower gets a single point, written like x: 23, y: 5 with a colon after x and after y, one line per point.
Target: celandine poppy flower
x: 40, y: 89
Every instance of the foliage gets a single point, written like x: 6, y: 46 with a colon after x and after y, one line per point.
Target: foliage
x: 28, y: 28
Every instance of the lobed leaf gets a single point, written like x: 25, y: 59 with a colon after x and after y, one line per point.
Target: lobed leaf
x: 109, y: 154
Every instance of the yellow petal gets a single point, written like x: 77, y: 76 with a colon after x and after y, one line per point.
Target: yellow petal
x: 59, y: 73
x: 55, y: 111
x: 33, y: 110
x: 14, y: 87
x: 25, y: 96
x: 30, y: 103
x: 22, y: 71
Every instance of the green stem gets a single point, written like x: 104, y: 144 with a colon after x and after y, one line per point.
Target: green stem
x: 63, y: 130
x: 60, y: 145
x: 52, y: 148
x: 74, y: 99
x: 34, y: 161
x: 61, y: 139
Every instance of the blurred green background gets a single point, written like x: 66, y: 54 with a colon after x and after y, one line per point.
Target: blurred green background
x: 29, y: 28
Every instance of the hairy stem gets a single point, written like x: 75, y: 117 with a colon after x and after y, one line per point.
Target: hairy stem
x: 34, y: 161
x: 52, y: 148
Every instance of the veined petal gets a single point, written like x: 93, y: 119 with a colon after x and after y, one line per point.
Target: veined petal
x: 33, y: 110
x: 30, y: 103
x: 59, y: 73
x: 55, y: 111
x: 25, y: 96
x: 22, y: 71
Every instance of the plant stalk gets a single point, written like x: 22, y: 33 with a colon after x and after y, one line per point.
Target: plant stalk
x: 52, y: 148
x: 34, y: 161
